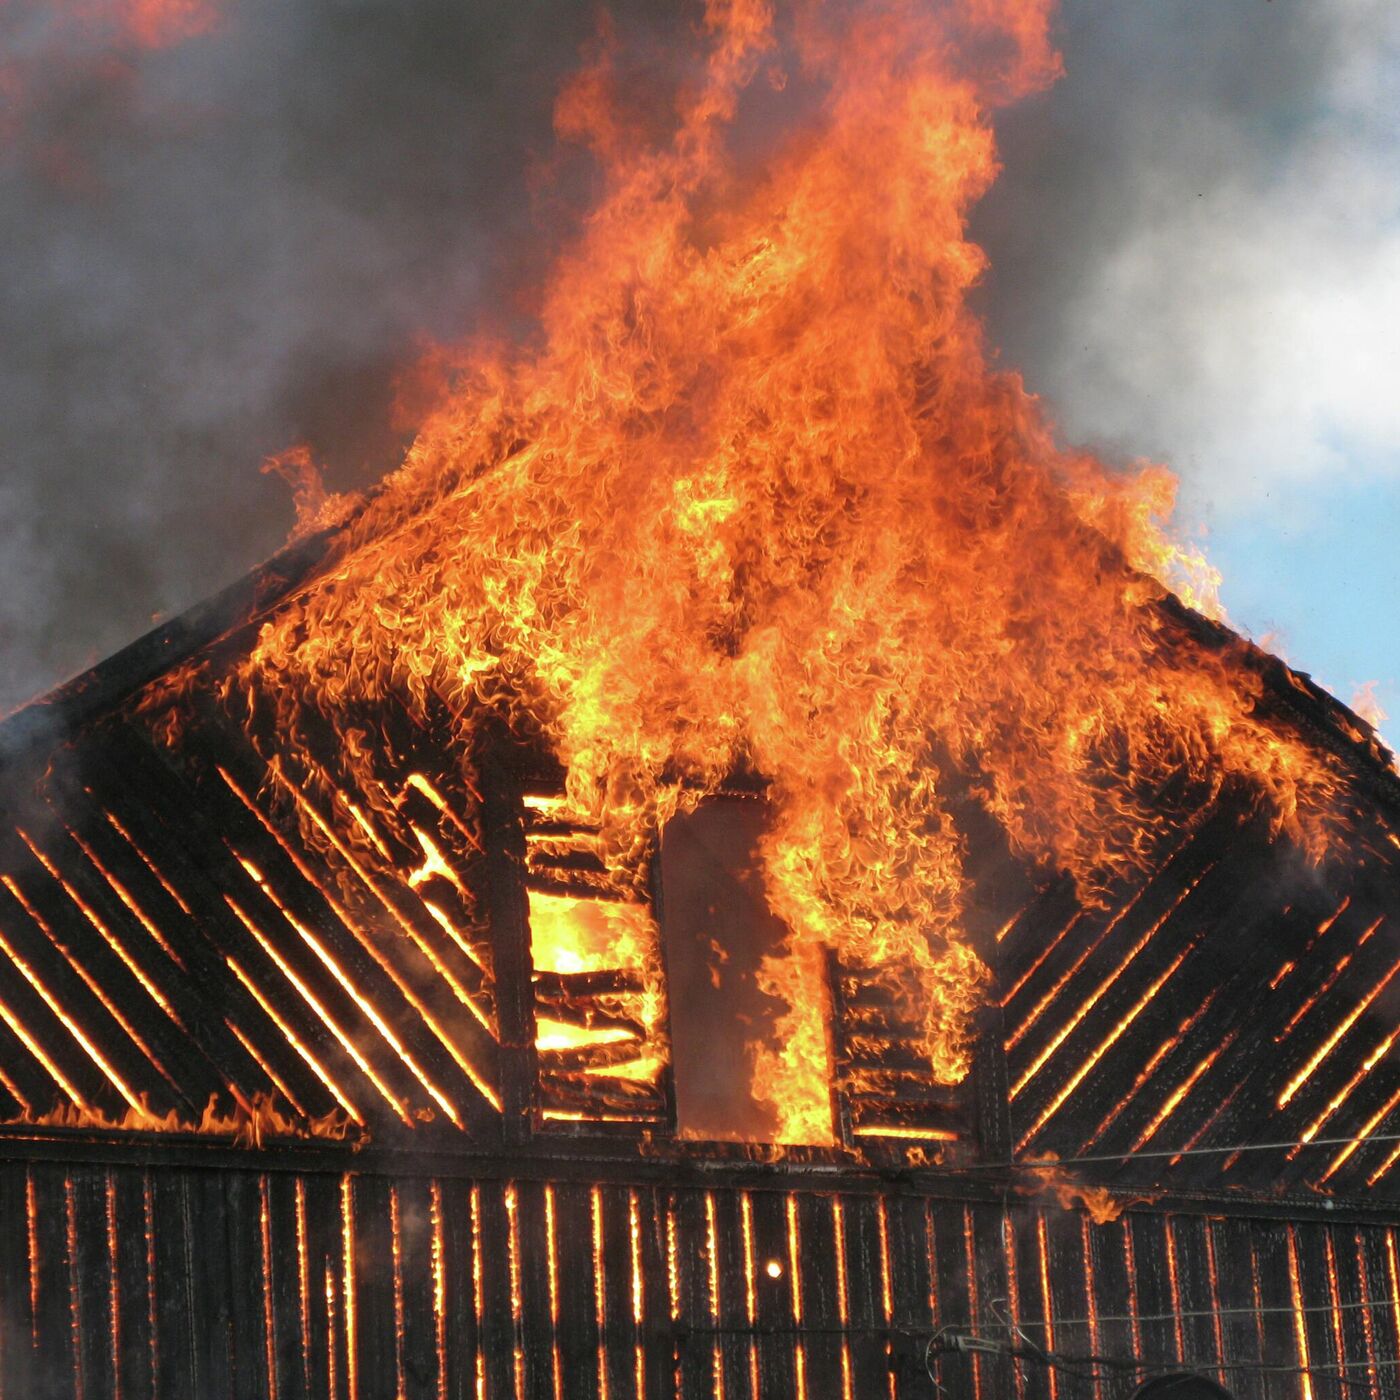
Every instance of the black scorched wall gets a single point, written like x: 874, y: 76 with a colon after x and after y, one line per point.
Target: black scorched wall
x: 186, y: 1282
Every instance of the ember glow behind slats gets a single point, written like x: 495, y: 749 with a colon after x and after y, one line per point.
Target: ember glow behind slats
x: 1063, y: 1277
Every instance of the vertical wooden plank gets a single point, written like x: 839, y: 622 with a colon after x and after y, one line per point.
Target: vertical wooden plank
x: 320, y: 1211
x: 244, y: 1283
x: 1375, y: 1267
x: 578, y: 1323
x: 208, y: 1211
x: 865, y: 1285
x: 621, y: 1333
x: 822, y: 1277
x: 500, y: 1344
x: 1279, y: 1345
x: 1067, y: 1267
x: 1188, y: 1236
x: 1146, y: 1233
x: 376, y: 1342
x: 462, y: 1323
x: 533, y: 1217
x: 987, y: 1266
x: 1357, y: 1323
x: 1235, y: 1285
x: 90, y: 1279
x: 738, y: 1346
x: 1025, y: 1298
x: 777, y: 1344
x: 910, y: 1264
x: 16, y: 1318
x: 176, y: 1377
x: 136, y: 1304
x: 695, y: 1321
x: 661, y: 1348
x: 954, y: 1288
x: 418, y: 1344
x: 1314, y: 1288
x: 291, y: 1288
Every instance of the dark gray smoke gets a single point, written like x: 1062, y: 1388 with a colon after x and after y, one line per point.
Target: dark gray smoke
x: 214, y: 249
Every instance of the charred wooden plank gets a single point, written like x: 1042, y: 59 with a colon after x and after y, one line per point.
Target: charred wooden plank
x: 418, y: 1298
x: 580, y: 1336
x: 538, y: 1288
x: 92, y: 1282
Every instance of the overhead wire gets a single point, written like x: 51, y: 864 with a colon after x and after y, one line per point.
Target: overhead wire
x: 1031, y: 1164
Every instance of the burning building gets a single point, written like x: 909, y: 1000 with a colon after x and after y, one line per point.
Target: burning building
x: 742, y: 869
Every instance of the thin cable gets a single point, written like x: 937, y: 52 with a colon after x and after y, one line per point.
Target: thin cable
x: 1206, y: 1312
x: 1137, y: 1365
x: 1029, y: 1164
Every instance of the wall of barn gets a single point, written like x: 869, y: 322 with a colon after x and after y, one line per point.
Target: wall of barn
x: 194, y: 1282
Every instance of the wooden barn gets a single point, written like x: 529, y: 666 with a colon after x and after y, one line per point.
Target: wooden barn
x: 295, y: 1116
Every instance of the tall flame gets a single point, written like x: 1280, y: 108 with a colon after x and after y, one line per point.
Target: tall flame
x: 752, y: 496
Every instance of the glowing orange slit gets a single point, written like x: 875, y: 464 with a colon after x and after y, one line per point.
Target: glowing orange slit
x: 552, y: 1260
x: 517, y: 1304
x: 1077, y: 1078
x: 268, y: 1305
x: 600, y: 1296
x: 1300, y: 1328
x: 396, y: 1253
x: 1330, y: 1044
x: 347, y: 1232
x: 290, y: 1036
x: 439, y: 1260
x: 843, y: 1308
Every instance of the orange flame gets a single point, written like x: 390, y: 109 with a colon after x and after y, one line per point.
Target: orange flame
x: 248, y: 1127
x: 753, y: 497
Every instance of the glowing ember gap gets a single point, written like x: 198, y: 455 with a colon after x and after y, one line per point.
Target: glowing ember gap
x: 1300, y: 1325
x: 148, y: 1223
x: 347, y: 1228
x: 89, y: 1049
x: 843, y: 1307
x: 75, y: 1300
x: 31, y: 1212
x: 292, y: 1039
x: 600, y: 1293
x: 1042, y: 1244
x: 634, y: 1240
x: 331, y: 1024
x: 712, y: 1270
x: 439, y: 1265
x: 1078, y: 1077
x: 268, y: 1303
x: 368, y: 943
x: 1013, y: 1292
x: 794, y: 1252
x: 974, y: 1311
x: 552, y: 1261
x: 517, y: 1302
x: 1093, y: 999
x: 396, y: 1240
x: 303, y: 1283
x: 366, y: 1006
x: 1330, y: 1044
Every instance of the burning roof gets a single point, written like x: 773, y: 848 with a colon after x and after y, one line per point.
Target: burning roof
x: 753, y: 507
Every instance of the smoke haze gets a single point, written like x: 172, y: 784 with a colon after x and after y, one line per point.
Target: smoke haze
x: 229, y: 232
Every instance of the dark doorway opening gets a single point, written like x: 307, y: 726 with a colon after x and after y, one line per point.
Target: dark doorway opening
x: 716, y: 928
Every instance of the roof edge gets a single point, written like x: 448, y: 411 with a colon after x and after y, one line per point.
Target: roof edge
x: 135, y: 665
